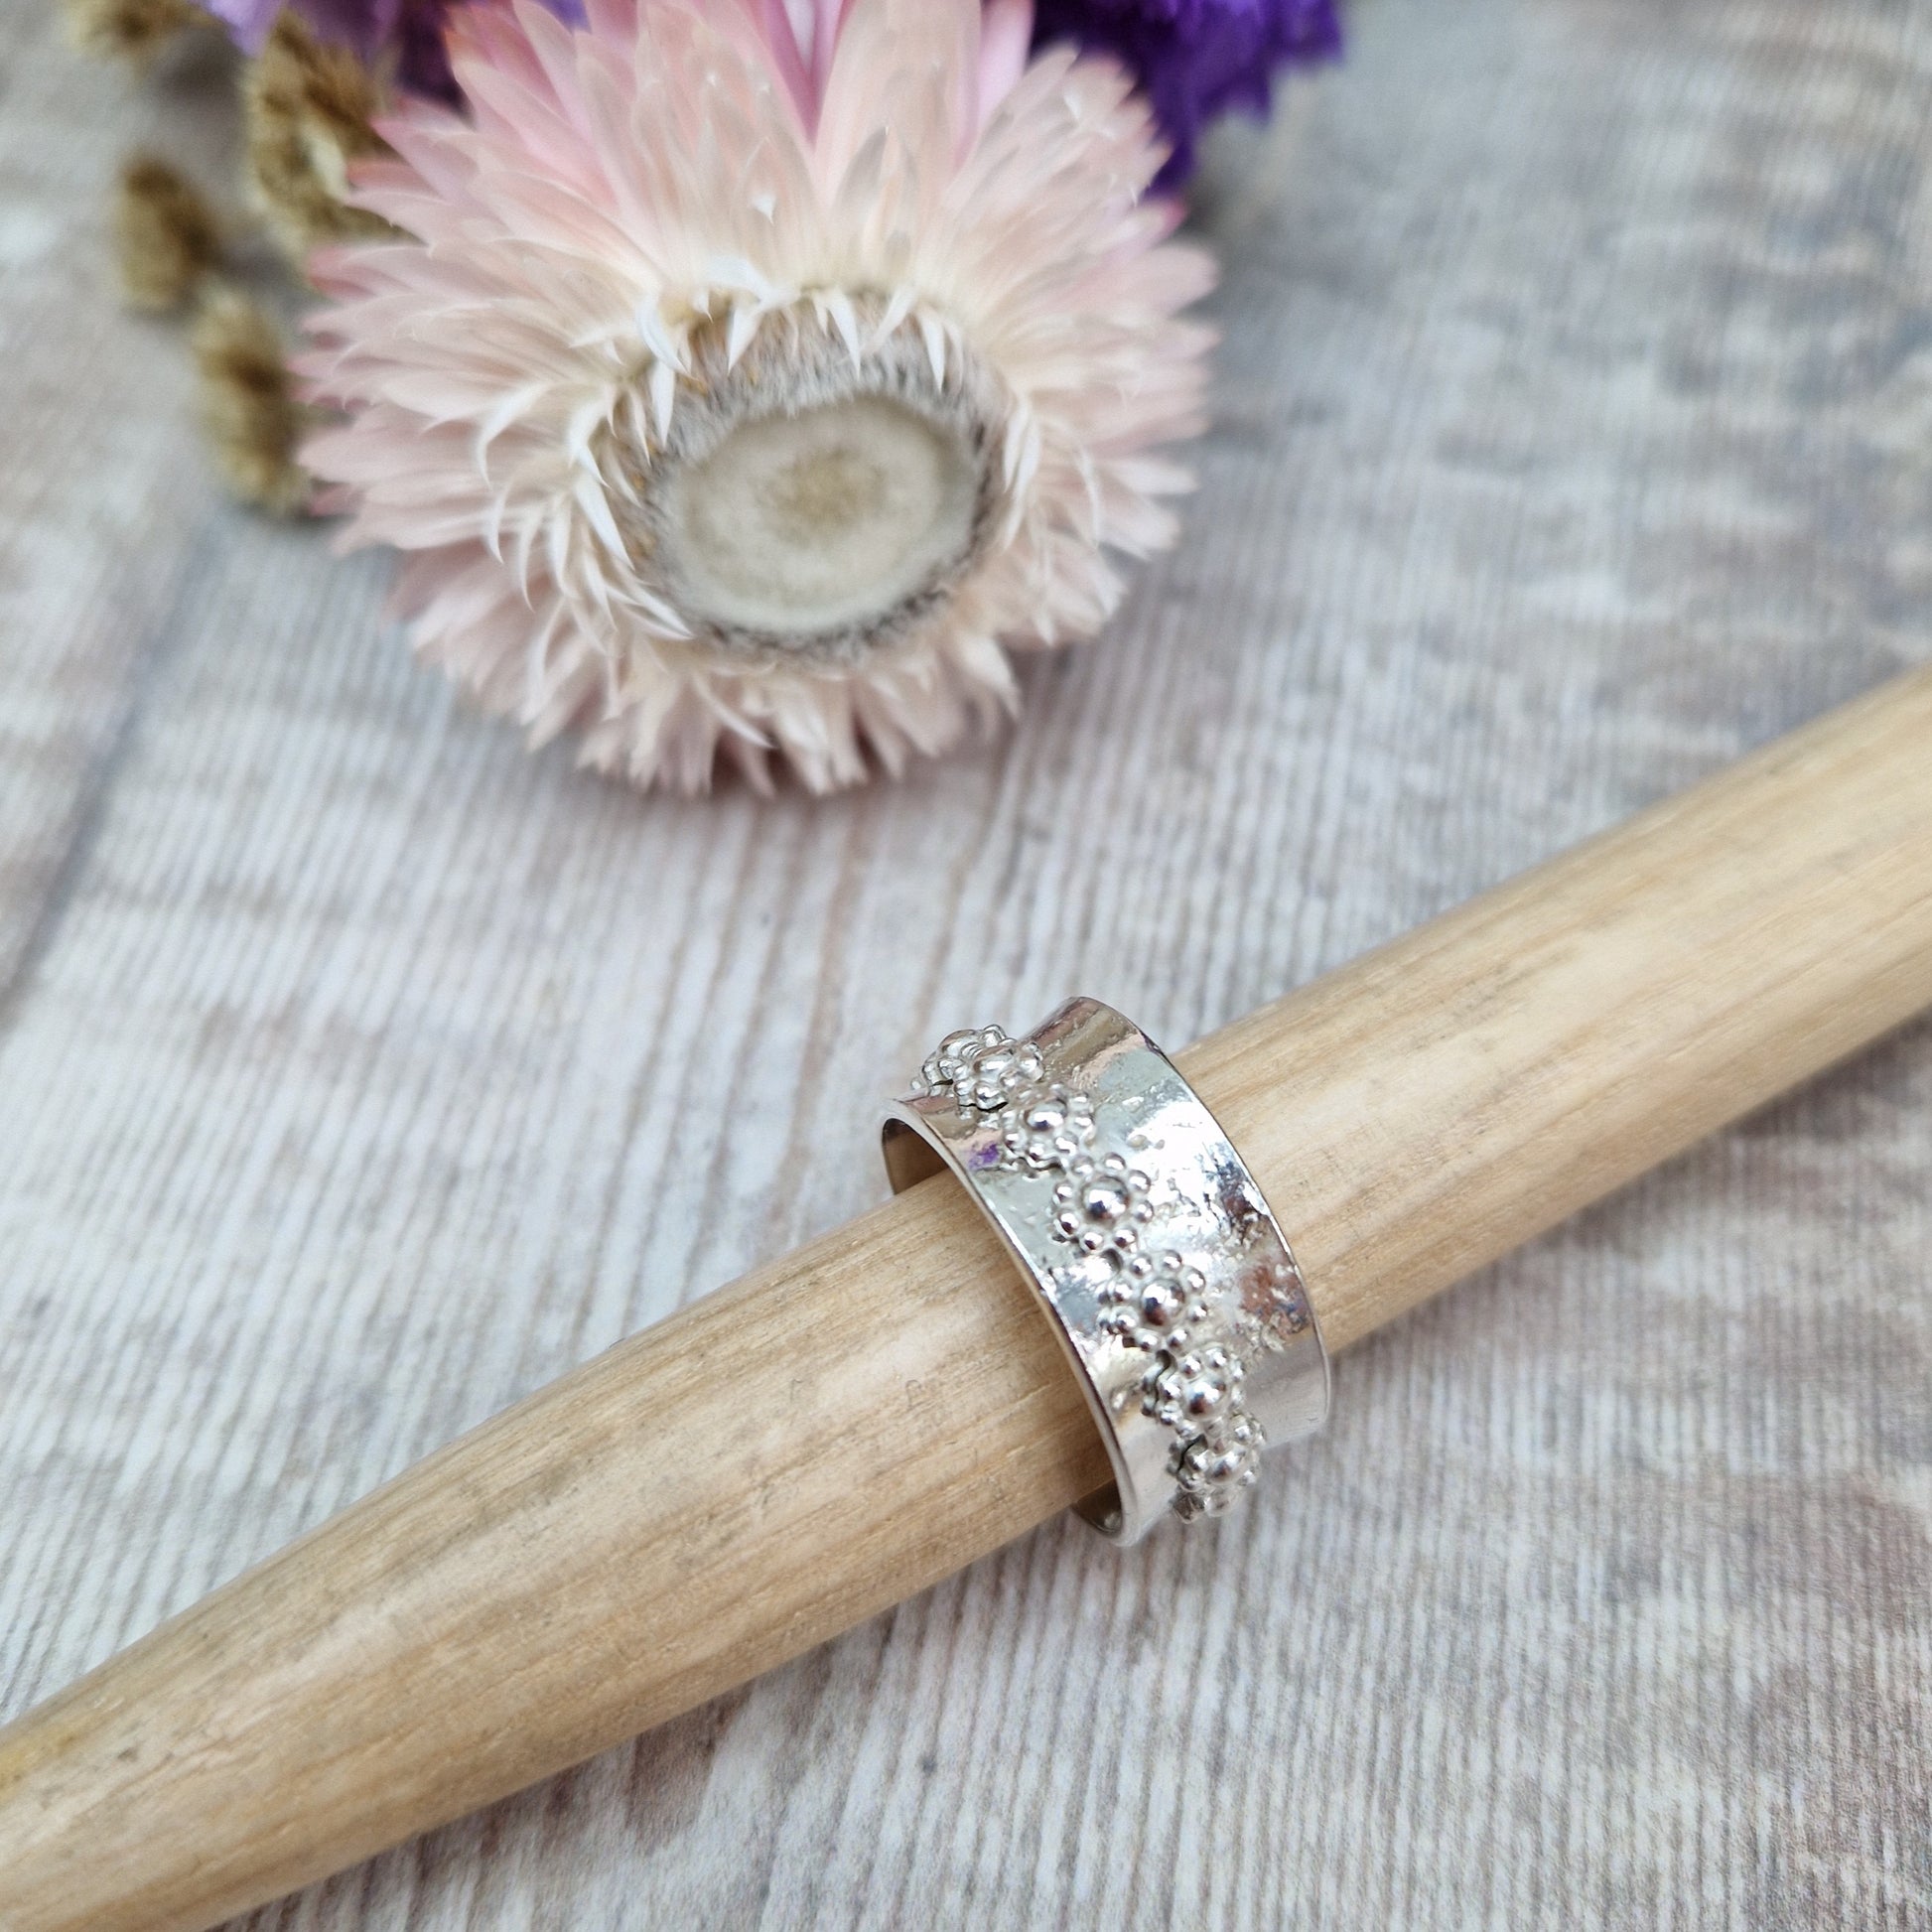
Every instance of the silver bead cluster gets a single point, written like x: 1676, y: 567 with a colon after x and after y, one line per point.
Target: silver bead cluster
x: 1048, y: 1128
x: 984, y: 1069
x: 1102, y: 1206
x: 1156, y: 1302
x: 1153, y: 1301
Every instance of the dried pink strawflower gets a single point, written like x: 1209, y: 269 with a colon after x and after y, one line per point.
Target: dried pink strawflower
x: 747, y: 386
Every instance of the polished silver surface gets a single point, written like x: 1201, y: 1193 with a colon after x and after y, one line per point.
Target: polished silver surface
x: 1171, y: 1288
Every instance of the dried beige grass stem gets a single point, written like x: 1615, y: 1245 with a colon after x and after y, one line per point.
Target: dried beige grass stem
x: 249, y: 406
x: 167, y: 233
x: 308, y: 109
x: 130, y: 30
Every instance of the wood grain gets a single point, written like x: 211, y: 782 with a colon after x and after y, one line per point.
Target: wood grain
x: 359, y: 1076
x: 851, y: 1425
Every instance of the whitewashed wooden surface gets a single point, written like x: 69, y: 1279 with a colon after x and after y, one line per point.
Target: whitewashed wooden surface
x: 359, y: 1074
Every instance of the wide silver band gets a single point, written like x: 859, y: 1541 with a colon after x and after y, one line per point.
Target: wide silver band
x: 1167, y: 1280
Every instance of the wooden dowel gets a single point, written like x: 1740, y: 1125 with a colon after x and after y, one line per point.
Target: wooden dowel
x: 852, y: 1423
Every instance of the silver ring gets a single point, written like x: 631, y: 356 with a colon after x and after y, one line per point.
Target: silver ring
x: 1169, y: 1282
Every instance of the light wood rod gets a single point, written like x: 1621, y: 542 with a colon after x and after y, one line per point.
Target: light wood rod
x: 851, y: 1424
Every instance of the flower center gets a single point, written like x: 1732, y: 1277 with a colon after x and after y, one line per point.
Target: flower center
x: 811, y: 523
x: 812, y: 506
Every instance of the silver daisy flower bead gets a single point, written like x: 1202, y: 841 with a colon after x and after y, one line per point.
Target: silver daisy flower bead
x: 1216, y: 1467
x: 1102, y: 1204
x: 1155, y: 1301
x: 1048, y: 1128
x: 984, y: 1070
x: 1196, y: 1389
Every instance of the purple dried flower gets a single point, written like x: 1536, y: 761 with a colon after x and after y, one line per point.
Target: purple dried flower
x: 247, y: 21
x: 1197, y: 57
x: 1194, y: 57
